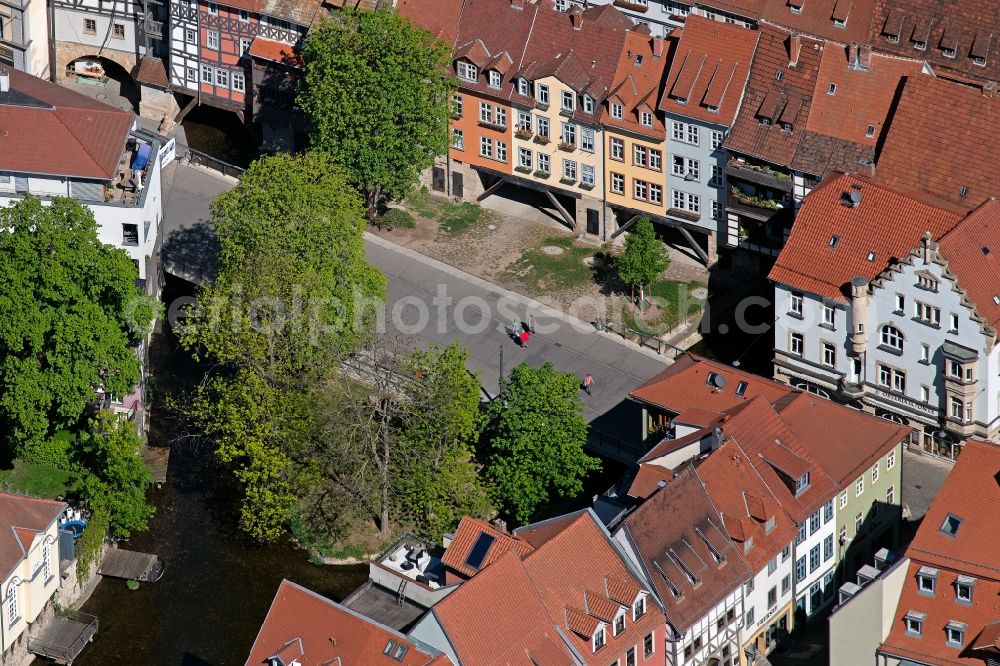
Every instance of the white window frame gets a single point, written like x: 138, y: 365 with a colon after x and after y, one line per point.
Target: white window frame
x: 587, y: 139
x: 467, y: 71
x: 617, y: 183
x: 588, y: 175
x: 567, y: 101
x: 525, y: 158
x: 524, y: 87
x: 495, y: 80
x: 588, y: 104
x: 239, y: 82
x: 458, y: 139
x: 616, y: 111
x: 212, y: 39
x: 485, y: 147
x: 542, y: 93
x: 222, y: 78
x: 617, y: 149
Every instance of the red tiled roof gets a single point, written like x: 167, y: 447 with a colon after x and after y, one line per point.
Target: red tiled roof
x: 538, y: 534
x: 768, y: 96
x: 863, y: 97
x: 21, y: 518
x: 503, y: 599
x: 439, y: 17
x: 275, y: 51
x: 967, y: 25
x: 624, y: 590
x: 48, y: 129
x: 941, y: 158
x: 816, y: 17
x: 766, y: 440
x: 299, y: 12
x: 709, y: 69
x: 303, y: 625
x: 670, y: 521
x: 684, y: 385
x: 844, y: 442
x: 466, y: 535
x: 970, y: 250
x: 647, y: 480
x: 886, y: 222
x: 151, y: 70
x: 638, y: 80
x: 567, y: 571
x: 971, y: 493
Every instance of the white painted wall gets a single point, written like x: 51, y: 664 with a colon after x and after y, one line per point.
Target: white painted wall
x: 824, y: 573
x: 861, y: 624
x: 763, y: 613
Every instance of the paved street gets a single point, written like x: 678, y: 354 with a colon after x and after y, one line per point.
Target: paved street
x: 485, y: 309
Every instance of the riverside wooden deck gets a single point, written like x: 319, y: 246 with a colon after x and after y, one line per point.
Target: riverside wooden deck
x: 62, y: 639
x: 131, y: 565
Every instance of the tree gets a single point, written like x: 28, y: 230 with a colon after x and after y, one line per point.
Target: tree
x: 440, y: 477
x: 644, y: 258
x: 535, y: 439
x: 294, y: 293
x: 113, y: 478
x: 397, y: 442
x: 67, y: 303
x: 376, y: 94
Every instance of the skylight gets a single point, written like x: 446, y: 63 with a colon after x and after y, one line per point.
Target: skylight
x: 951, y: 524
x: 871, y: 256
x: 741, y: 389
x: 834, y: 240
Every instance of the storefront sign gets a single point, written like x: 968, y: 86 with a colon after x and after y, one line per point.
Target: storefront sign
x: 906, y: 402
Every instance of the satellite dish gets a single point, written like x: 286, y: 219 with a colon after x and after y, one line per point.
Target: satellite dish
x: 719, y: 381
x: 855, y: 197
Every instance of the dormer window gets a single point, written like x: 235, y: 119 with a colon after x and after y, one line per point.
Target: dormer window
x: 955, y: 632
x: 494, y: 79
x: 747, y: 545
x: 801, y: 484
x: 588, y: 104
x: 524, y: 87
x: 840, y: 23
x: 619, y: 625
x: 927, y: 580
x: 947, y: 52
x: 568, y: 100
x: 599, y: 638
x: 786, y: 127
x: 963, y: 589
x: 639, y: 608
x: 914, y: 623
x: 617, y: 111
x: 920, y: 45
x: 467, y: 71
x: 769, y: 525
x: 712, y: 109
x: 646, y: 119
x: 979, y: 61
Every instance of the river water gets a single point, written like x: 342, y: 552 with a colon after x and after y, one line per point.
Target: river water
x: 207, y: 608
x: 220, y: 134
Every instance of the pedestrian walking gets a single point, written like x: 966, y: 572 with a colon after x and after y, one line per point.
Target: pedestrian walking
x: 588, y: 381
x: 524, y: 338
x: 531, y: 324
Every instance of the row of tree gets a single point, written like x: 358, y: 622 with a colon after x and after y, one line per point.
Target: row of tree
x: 325, y: 419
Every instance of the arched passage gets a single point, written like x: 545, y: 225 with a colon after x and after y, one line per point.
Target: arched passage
x: 104, y: 79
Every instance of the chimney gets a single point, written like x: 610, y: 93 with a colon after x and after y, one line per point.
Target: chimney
x: 576, y: 17
x: 852, y: 55
x: 794, y: 47
x: 657, y: 47
x: 4, y: 80
x: 866, y: 168
x: 500, y: 524
x: 517, y: 4
x: 865, y: 56
x: 717, y: 438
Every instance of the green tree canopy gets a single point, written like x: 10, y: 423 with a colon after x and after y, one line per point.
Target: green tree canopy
x: 293, y: 294
x: 114, y: 478
x: 376, y: 94
x: 66, y: 304
x: 535, y: 440
x: 644, y: 258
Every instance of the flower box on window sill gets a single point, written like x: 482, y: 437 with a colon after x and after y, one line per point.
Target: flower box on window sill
x: 568, y: 181
x: 523, y: 134
x: 586, y: 186
x: 542, y: 174
x: 542, y: 106
x: 566, y: 113
x: 541, y: 140
x: 634, y: 6
x: 522, y: 169
x: 493, y: 126
x: 568, y: 147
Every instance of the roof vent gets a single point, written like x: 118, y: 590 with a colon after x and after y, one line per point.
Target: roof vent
x: 996, y: 300
x: 965, y: 190
x: 871, y: 256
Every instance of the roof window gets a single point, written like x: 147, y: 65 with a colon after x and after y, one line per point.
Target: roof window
x: 870, y: 132
x: 479, y: 550
x: 741, y: 389
x: 831, y: 89
x: 834, y: 241
x: 951, y: 524
x: 779, y: 75
x: 638, y: 60
x: 965, y: 190
x: 871, y: 256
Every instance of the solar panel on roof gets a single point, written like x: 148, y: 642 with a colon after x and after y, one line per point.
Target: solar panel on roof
x: 479, y: 550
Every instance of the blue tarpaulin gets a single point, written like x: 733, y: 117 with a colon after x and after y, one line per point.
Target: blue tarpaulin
x: 141, y: 158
